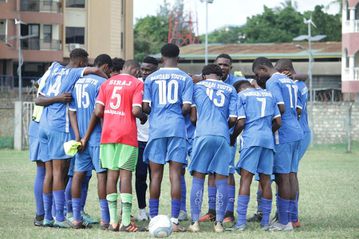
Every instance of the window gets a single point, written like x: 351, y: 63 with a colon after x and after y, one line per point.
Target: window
x: 47, y: 31
x: 347, y: 10
x: 357, y: 12
x: 346, y: 58
x: 75, y: 3
x: 2, y: 29
x: 75, y: 35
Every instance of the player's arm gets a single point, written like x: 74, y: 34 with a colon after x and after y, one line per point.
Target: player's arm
x: 276, y: 124
x: 74, y: 125
x: 193, y: 115
x: 94, y: 70
x: 238, y: 128
x: 299, y: 105
x: 232, y: 121
x: 187, y: 96
x: 146, y: 107
x: 99, y: 110
x: 274, y: 88
x: 93, y: 121
x: 42, y: 100
x: 186, y: 109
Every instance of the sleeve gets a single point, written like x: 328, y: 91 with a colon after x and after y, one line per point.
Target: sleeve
x: 147, y: 91
x: 73, y: 103
x: 76, y: 73
x: 233, y: 104
x: 138, y: 94
x: 187, y: 91
x: 240, y: 108
x: 299, y: 100
x: 194, y: 97
x: 274, y: 88
x: 101, y: 98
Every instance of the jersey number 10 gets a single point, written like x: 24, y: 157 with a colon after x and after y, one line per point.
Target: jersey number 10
x: 167, y: 92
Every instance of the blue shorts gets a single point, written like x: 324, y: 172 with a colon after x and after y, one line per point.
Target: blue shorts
x: 211, y: 154
x: 286, y: 158
x: 304, y: 144
x: 256, y: 159
x: 88, y: 159
x: 34, y: 149
x: 232, y: 168
x: 72, y: 169
x: 189, y: 146
x: 53, y: 143
x: 163, y: 150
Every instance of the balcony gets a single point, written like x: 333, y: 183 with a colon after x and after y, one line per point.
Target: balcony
x: 351, y: 74
x: 41, y: 6
x: 41, y: 44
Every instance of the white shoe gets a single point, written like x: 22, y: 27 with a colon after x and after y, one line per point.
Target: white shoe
x: 142, y: 215
x: 281, y: 227
x: 182, y: 216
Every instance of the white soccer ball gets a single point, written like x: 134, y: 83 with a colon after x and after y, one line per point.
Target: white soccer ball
x: 160, y: 226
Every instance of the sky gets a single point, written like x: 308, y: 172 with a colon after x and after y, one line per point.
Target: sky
x: 224, y: 12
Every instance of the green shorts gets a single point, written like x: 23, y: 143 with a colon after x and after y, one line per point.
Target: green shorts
x: 118, y: 156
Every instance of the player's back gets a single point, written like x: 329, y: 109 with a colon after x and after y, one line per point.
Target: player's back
x: 167, y: 90
x: 215, y: 102
x: 118, y: 95
x: 303, y: 96
x: 84, y: 97
x: 258, y: 107
x: 285, y: 92
x: 60, y: 80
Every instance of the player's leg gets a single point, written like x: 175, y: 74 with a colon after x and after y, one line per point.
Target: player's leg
x: 293, y: 206
x: 141, y: 184
x: 196, y: 199
x: 243, y: 198
x: 76, y: 187
x: 126, y: 197
x: 112, y: 196
x: 155, y: 187
x: 68, y: 198
x: 229, y: 215
x: 212, y: 191
x: 47, y: 194
x: 183, y: 209
x: 38, y: 192
x: 257, y: 217
x: 84, y: 192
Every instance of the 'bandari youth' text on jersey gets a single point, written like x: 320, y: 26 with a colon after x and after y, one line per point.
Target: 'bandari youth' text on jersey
x: 285, y: 91
x: 61, y: 80
x: 119, y: 95
x: 303, y: 97
x: 215, y: 101
x: 84, y: 96
x: 258, y: 107
x: 167, y: 89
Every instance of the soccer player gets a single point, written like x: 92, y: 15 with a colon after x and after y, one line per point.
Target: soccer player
x: 256, y: 110
x: 215, y: 104
x: 148, y: 66
x: 54, y: 129
x: 285, y: 66
x: 81, y: 108
x: 118, y: 103
x: 169, y: 91
x: 117, y: 65
x: 287, y: 138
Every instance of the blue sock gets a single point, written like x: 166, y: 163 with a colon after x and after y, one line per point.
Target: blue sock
x: 175, y: 207
x: 231, y: 198
x: 38, y: 187
x: 153, y: 205
x: 183, y: 193
x: 283, y: 209
x: 59, y: 198
x: 259, y: 201
x: 196, y: 198
x: 68, y: 196
x: 296, y: 210
x: 84, y: 190
x: 266, y: 210
x: 221, y: 199
x: 212, y: 198
x: 76, y: 206
x: 293, y: 211
x: 105, y: 214
x: 47, y: 197
x: 242, y: 206
x: 53, y: 208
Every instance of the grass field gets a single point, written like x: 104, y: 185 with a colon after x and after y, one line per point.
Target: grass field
x: 329, y: 200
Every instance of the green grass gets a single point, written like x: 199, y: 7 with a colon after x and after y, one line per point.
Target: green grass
x: 329, y: 200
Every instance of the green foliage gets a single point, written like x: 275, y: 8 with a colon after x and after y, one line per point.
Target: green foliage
x: 6, y: 143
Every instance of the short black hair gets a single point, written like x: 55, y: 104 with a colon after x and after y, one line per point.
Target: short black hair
x: 238, y: 84
x: 103, y: 59
x: 150, y: 60
x: 170, y: 50
x: 131, y: 63
x: 261, y: 62
x: 117, y: 64
x: 78, y: 53
x: 224, y: 55
x: 212, y: 69
x: 284, y: 65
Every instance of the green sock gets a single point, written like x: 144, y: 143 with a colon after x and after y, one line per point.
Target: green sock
x: 126, y: 201
x: 112, y: 207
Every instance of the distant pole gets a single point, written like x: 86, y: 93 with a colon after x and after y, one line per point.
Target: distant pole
x: 349, y: 128
x: 206, y: 41
x: 20, y: 61
x: 310, y: 74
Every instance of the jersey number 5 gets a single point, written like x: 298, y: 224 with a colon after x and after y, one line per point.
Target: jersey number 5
x: 116, y: 98
x: 167, y: 92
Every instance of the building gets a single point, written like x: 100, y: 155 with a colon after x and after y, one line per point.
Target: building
x: 350, y: 48
x: 55, y: 27
x: 326, y: 66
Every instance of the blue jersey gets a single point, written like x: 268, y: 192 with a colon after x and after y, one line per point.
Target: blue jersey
x: 167, y: 89
x: 61, y: 80
x: 285, y: 92
x: 84, y: 96
x: 215, y: 102
x: 303, y: 98
x: 190, y: 128
x: 258, y: 107
x: 231, y: 79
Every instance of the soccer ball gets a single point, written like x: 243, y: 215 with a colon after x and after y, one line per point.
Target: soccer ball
x: 160, y: 226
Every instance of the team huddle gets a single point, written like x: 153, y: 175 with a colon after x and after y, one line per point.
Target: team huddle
x: 120, y: 117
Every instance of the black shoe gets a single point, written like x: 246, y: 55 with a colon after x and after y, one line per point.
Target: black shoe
x: 257, y: 217
x: 39, y: 220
